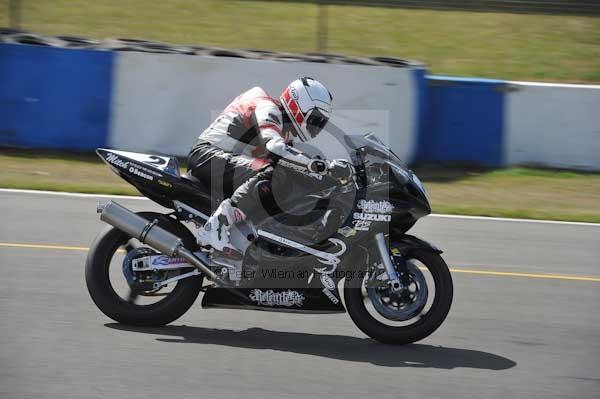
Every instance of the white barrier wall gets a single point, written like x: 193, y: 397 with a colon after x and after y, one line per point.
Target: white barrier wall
x: 162, y: 102
x: 553, y: 125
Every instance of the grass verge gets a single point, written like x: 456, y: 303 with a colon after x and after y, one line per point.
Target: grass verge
x: 495, y: 45
x: 513, y: 192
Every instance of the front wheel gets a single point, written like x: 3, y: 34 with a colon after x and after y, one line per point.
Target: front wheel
x: 407, y: 316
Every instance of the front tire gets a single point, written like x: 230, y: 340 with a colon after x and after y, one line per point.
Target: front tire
x: 167, y: 310
x: 424, y: 326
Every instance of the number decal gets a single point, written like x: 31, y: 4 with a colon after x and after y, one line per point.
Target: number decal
x: 157, y: 161
x: 362, y: 225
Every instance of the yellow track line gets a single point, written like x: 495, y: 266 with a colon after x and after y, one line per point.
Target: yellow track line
x: 528, y: 275
x: 42, y: 246
x: 453, y: 270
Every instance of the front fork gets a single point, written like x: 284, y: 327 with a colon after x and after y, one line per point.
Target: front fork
x: 394, y: 280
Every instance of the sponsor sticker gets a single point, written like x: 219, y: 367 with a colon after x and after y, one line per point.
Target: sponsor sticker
x: 294, y: 93
x: 327, y: 282
x: 139, y: 173
x: 134, y: 169
x: 299, y: 168
x: 361, y: 225
x: 373, y: 217
x: 347, y: 231
x: 164, y: 260
x: 271, y: 298
x: 331, y: 296
x: 115, y: 160
x: 371, y: 206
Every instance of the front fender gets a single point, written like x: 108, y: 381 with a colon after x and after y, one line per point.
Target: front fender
x: 406, y: 243
x: 362, y: 251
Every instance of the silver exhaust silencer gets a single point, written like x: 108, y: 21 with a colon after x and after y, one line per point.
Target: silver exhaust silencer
x: 140, y: 228
x: 152, y: 234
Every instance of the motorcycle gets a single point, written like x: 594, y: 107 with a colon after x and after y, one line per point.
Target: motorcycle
x: 344, y: 248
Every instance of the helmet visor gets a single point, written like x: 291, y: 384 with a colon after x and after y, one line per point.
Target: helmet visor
x: 316, y: 122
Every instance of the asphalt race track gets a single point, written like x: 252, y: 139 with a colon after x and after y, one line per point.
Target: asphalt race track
x: 512, y: 332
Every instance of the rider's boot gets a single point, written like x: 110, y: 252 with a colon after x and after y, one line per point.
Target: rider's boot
x: 215, y: 233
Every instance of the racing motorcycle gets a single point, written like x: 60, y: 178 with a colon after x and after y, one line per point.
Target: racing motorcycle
x: 343, y: 248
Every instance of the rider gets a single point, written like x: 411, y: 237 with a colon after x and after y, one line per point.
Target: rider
x: 238, y: 151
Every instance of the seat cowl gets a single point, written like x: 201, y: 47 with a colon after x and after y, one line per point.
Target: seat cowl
x: 167, y: 164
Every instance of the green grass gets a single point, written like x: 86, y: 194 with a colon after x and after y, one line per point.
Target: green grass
x: 513, y: 192
x: 516, y: 192
x: 60, y: 172
x: 494, y: 45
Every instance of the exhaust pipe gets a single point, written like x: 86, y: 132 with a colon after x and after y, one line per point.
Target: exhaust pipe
x: 152, y: 234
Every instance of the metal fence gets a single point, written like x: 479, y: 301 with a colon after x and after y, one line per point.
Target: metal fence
x: 577, y: 7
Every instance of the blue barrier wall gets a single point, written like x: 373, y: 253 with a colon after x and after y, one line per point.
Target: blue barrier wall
x: 54, y: 98
x: 421, y: 116
x: 463, y: 121
x: 83, y: 99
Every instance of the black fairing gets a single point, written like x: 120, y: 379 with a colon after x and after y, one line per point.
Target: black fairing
x: 386, y: 197
x: 382, y: 176
x: 160, y: 182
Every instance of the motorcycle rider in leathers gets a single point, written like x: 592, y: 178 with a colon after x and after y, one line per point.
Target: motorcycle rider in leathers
x: 254, y: 134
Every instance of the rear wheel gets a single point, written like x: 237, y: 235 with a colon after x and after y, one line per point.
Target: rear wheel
x: 407, y: 316
x: 107, y: 285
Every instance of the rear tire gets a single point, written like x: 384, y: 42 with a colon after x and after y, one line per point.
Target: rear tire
x: 112, y: 305
x: 425, y: 326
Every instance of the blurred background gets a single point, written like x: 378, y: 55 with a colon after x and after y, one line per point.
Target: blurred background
x: 486, y: 99
x: 493, y: 103
x: 543, y: 40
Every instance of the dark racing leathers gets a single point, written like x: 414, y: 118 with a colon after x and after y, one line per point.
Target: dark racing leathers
x: 230, y: 175
x: 235, y: 156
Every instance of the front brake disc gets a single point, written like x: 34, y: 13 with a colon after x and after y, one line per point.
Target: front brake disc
x: 402, y: 312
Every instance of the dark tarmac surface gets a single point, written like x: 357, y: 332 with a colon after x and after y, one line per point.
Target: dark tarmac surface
x: 505, y: 337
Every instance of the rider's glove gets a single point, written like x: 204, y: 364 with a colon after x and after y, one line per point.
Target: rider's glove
x: 341, y: 170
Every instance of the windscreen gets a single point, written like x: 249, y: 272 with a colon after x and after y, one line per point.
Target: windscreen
x: 373, y: 147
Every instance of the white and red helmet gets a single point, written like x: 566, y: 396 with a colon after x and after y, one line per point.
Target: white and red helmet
x: 308, y: 105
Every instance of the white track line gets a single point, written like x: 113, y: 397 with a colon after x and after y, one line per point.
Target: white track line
x: 433, y: 215
x: 566, y: 85
x: 67, y: 194
x: 490, y: 218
